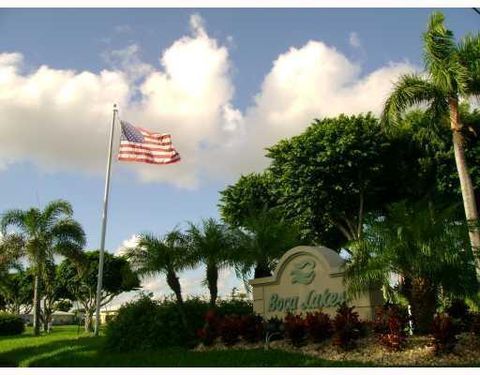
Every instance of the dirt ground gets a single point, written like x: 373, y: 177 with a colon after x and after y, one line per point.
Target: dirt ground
x: 418, y: 351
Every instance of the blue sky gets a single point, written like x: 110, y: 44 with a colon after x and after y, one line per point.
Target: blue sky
x: 231, y: 82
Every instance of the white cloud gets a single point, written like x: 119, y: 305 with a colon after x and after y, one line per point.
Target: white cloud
x: 129, y: 61
x: 354, y: 40
x: 313, y: 81
x: 123, y: 29
x: 58, y: 119
x: 129, y: 243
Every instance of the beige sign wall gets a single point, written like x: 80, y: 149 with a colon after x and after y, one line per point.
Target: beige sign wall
x: 307, y: 278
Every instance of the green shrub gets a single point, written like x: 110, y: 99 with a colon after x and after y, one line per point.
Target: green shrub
x: 147, y: 324
x: 475, y: 325
x: 11, y: 324
x: 234, y: 307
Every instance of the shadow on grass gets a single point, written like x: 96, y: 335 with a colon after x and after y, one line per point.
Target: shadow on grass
x: 28, y: 355
x: 88, y: 351
x: 180, y: 357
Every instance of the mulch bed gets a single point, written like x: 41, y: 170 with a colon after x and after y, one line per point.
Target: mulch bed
x: 418, y: 351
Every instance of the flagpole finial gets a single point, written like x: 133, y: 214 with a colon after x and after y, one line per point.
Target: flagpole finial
x: 114, y: 107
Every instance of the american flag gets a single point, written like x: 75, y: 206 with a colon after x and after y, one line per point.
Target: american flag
x: 137, y: 144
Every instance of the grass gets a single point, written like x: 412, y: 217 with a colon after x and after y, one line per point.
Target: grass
x: 65, y: 348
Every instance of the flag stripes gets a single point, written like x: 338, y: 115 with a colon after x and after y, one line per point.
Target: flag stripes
x: 141, y: 145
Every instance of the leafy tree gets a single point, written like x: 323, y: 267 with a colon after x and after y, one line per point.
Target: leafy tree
x: 81, y: 281
x: 162, y: 255
x: 437, y: 156
x: 425, y: 245
x: 213, y: 244
x: 266, y: 237
x: 16, y: 290
x: 335, y: 172
x: 63, y: 305
x: 11, y: 249
x: 248, y: 196
x: 452, y: 72
x: 53, y: 290
x: 45, y: 233
x: 11, y: 295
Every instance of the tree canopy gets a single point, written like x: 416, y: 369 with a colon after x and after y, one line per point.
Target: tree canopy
x: 81, y: 281
x: 338, y: 169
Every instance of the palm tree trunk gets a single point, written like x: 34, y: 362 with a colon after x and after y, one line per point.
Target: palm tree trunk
x: 423, y: 299
x: 46, y: 316
x: 174, y: 284
x: 468, y: 193
x: 36, y: 305
x: 212, y: 278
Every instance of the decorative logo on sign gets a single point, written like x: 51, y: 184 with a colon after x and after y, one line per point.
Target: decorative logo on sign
x: 303, y: 272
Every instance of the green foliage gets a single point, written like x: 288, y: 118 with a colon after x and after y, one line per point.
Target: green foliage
x: 331, y: 174
x: 64, y: 347
x: 16, y: 289
x: 213, y: 244
x: 11, y: 324
x: 128, y: 330
x: 63, y: 305
x: 265, y: 239
x: 414, y: 241
x: 249, y: 195
x: 437, y: 172
x: 452, y: 71
x: 44, y: 233
x: 234, y: 307
x: 81, y: 281
x: 145, y: 324
x: 117, y: 275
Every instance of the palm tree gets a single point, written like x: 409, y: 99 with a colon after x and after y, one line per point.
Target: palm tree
x: 452, y: 73
x: 45, y: 233
x: 213, y: 244
x: 427, y: 248
x: 162, y: 255
x: 266, y: 237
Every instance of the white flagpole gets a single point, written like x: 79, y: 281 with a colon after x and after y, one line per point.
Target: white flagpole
x: 104, y: 223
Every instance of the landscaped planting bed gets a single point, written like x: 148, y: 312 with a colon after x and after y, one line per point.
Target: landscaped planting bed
x: 418, y: 351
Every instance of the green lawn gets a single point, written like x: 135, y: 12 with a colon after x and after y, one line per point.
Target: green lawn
x: 64, y: 347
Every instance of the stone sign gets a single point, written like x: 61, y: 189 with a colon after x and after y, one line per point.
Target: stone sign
x: 308, y: 278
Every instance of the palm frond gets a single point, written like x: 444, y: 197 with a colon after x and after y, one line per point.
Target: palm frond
x: 68, y: 230
x: 13, y: 218
x: 442, y: 59
x: 419, y: 240
x: 410, y: 90
x: 54, y: 210
x: 469, y: 54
